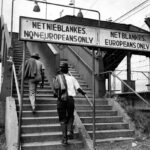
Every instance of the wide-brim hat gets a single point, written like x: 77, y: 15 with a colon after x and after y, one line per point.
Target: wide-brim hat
x: 35, y: 55
x: 64, y: 65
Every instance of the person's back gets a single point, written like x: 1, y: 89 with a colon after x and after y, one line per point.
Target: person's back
x: 65, y: 90
x: 40, y: 68
x: 36, y: 70
x: 72, y: 85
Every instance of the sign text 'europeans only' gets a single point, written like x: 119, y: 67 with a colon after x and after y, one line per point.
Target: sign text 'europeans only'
x: 125, y: 40
x: 32, y: 29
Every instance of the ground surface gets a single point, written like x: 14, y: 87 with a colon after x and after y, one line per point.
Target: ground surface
x: 2, y: 140
x: 135, y: 145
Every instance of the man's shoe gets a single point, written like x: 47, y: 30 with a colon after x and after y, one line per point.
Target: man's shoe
x: 70, y: 135
x: 33, y: 111
x: 64, y: 142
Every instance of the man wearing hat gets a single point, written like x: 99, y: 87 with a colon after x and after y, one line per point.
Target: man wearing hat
x: 65, y: 89
x: 34, y: 73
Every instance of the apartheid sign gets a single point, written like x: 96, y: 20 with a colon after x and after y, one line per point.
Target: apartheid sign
x: 32, y: 29
x: 125, y: 40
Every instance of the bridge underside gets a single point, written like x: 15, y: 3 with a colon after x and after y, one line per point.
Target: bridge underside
x: 112, y: 56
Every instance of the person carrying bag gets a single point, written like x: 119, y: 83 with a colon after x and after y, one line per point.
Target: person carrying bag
x: 65, y: 88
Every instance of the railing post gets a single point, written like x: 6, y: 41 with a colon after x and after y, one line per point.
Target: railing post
x: 109, y: 84
x: 93, y: 76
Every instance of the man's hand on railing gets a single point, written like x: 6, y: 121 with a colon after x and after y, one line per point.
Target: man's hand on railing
x: 81, y: 91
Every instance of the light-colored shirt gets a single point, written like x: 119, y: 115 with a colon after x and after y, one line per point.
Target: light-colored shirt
x: 72, y: 85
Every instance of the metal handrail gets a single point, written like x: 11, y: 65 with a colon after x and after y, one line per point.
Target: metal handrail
x: 111, y: 72
x: 143, y: 72
x: 90, y: 102
x: 16, y: 83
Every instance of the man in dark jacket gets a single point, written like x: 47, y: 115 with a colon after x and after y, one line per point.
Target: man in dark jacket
x: 34, y: 73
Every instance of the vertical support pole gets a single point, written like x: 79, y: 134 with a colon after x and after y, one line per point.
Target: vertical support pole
x: 10, y: 52
x: 109, y: 84
x: 128, y: 66
x: 149, y: 70
x: 46, y: 9
x: 93, y: 76
x: 12, y: 19
x: 2, y: 8
x: 22, y: 89
x: 148, y: 87
x: 74, y: 8
x: 114, y: 82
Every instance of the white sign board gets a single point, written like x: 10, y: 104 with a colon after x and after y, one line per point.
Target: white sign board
x: 124, y: 40
x: 32, y: 29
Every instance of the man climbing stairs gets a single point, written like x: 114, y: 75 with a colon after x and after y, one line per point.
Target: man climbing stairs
x: 42, y: 129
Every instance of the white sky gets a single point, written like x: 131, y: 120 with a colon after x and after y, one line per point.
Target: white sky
x: 107, y: 8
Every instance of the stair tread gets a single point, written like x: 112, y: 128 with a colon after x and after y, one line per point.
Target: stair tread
x: 41, y: 104
x: 42, y: 133
x: 36, y: 117
x: 74, y: 141
x: 114, y: 139
x: 101, y: 117
x: 89, y: 110
x: 103, y: 105
x: 104, y: 131
x: 40, y: 125
x: 27, y: 111
x: 107, y: 123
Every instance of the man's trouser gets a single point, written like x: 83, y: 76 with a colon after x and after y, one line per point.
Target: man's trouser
x: 66, y: 113
x: 32, y: 92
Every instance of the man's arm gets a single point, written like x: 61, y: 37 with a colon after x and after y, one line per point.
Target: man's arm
x: 81, y: 91
x: 42, y: 74
x: 77, y: 86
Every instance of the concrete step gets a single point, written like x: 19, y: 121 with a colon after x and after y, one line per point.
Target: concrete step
x: 38, y: 95
x: 54, y: 145
x: 104, y: 134
x: 41, y: 107
x: 43, y: 137
x: 39, y: 120
x: 42, y: 95
x: 39, y: 113
x: 106, y: 126
x: 82, y: 100
x: 40, y: 128
x: 48, y: 90
x: 104, y: 119
x: 26, y: 91
x: 109, y: 141
x: 52, y: 100
x: 97, y: 107
x: 46, y: 83
x: 41, y: 101
x: 84, y: 113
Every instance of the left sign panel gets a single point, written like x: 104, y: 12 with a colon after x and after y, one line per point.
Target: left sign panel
x: 33, y: 29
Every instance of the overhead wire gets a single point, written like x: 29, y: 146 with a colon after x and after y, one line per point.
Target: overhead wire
x: 134, y: 13
x: 141, y: 4
x: 93, y: 4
